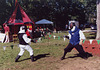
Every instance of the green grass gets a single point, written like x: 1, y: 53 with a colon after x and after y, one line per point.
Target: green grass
x: 87, y: 28
x: 52, y: 46
x: 90, y: 35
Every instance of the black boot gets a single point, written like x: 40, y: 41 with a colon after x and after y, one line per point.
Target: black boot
x: 32, y: 58
x: 62, y: 58
x: 16, y: 60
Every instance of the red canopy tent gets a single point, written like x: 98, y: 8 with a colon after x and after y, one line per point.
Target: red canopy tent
x: 19, y: 17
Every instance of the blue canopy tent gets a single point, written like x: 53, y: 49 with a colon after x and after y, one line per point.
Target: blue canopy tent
x: 44, y: 21
x: 45, y: 24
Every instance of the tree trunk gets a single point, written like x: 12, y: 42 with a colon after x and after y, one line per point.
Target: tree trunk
x: 98, y: 20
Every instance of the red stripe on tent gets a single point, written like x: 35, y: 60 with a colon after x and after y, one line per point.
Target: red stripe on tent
x: 19, y: 20
x: 12, y: 18
x: 18, y: 23
x: 24, y: 16
x: 15, y: 2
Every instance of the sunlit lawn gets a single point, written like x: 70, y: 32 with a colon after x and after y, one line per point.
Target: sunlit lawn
x: 42, y: 51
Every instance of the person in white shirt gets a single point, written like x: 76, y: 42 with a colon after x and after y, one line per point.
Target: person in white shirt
x: 24, y: 43
x: 76, y: 38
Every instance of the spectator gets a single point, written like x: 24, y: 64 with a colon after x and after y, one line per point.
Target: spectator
x: 66, y: 27
x: 6, y: 28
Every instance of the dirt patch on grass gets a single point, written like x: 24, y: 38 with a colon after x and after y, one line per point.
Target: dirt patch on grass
x: 77, y: 63
x: 54, y: 63
x: 49, y: 62
x: 92, y: 63
x: 70, y: 63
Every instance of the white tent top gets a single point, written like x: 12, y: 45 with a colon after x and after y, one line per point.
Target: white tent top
x: 44, y: 21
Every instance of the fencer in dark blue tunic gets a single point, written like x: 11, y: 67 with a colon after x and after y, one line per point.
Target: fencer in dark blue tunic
x: 76, y: 37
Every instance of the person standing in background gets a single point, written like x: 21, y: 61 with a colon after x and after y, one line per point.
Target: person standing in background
x: 7, y: 30
x: 66, y: 27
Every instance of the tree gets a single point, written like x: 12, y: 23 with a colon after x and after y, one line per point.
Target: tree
x: 6, y: 10
x: 90, y: 9
x: 98, y: 20
x: 58, y: 11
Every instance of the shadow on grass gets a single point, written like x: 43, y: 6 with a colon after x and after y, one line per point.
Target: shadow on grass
x: 24, y: 59
x: 79, y: 55
x: 36, y: 57
x: 41, y: 56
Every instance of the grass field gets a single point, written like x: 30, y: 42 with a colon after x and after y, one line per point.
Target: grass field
x: 47, y: 53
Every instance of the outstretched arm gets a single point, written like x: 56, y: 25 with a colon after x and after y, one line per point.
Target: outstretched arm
x: 68, y: 36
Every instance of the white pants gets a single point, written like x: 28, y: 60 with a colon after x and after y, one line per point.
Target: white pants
x: 25, y: 47
x: 7, y: 39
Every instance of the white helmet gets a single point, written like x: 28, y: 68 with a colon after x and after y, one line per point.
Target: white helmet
x: 23, y: 29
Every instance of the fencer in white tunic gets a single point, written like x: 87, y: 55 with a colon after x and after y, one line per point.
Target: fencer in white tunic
x: 24, y: 43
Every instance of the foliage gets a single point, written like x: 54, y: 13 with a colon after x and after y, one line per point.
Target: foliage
x: 58, y: 11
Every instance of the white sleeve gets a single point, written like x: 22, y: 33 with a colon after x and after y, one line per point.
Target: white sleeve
x: 82, y: 36
x: 26, y: 39
x: 69, y: 36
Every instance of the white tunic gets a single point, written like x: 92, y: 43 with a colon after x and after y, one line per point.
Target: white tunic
x: 25, y: 47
